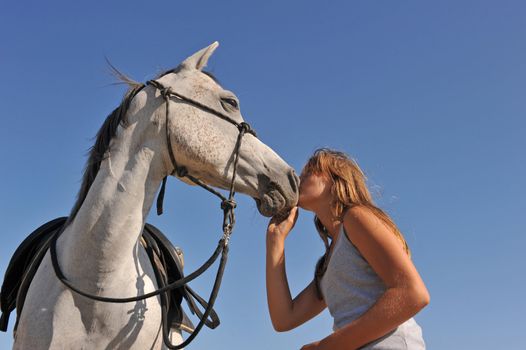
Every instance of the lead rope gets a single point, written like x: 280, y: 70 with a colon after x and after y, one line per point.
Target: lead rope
x: 227, y: 205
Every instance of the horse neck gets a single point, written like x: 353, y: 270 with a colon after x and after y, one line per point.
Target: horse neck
x: 102, y: 239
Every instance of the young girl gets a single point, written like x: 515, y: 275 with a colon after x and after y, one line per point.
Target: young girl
x: 366, y: 277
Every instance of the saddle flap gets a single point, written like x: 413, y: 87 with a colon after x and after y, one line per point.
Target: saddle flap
x: 22, y: 267
x: 167, y: 261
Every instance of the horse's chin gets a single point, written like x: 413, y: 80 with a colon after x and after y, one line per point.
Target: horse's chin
x: 271, y: 204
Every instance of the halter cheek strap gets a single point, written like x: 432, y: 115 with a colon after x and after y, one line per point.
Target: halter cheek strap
x: 181, y: 171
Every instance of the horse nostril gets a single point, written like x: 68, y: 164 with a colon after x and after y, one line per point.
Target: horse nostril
x: 293, y: 180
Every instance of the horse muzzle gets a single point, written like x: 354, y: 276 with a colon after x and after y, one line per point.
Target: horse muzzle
x: 277, y: 196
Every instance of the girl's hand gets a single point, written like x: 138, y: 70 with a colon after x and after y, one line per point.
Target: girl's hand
x: 281, y: 224
x: 311, y: 346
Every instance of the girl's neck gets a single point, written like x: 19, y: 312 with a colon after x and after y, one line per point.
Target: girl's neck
x: 331, y: 223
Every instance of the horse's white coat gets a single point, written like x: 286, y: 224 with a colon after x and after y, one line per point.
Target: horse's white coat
x: 99, y: 251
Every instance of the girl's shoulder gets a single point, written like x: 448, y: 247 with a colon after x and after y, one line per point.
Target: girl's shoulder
x: 358, y: 211
x: 359, y: 217
x: 366, y: 230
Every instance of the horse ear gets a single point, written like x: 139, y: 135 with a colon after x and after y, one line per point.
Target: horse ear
x: 199, y: 59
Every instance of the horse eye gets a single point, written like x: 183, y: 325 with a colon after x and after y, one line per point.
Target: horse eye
x: 231, y: 102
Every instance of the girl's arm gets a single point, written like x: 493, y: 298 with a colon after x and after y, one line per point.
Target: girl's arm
x: 406, y: 293
x: 286, y: 313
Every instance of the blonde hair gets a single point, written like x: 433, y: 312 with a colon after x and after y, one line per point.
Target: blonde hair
x: 348, y: 189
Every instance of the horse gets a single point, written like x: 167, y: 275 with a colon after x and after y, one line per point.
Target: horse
x: 99, y: 250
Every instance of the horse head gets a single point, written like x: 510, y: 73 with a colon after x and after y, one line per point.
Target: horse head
x: 205, y: 144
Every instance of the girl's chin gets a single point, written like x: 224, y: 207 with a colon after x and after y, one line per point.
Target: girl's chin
x: 303, y: 205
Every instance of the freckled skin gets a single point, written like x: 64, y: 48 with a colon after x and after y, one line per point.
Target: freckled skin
x: 204, y: 143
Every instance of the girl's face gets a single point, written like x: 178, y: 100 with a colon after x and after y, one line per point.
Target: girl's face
x: 315, y: 191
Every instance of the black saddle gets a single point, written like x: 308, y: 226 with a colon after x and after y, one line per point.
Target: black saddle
x: 167, y: 262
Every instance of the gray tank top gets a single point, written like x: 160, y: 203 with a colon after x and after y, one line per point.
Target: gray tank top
x: 350, y: 287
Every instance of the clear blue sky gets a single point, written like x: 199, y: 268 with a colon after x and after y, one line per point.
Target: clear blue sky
x: 429, y: 97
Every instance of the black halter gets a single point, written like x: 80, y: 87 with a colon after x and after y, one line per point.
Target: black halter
x: 227, y: 205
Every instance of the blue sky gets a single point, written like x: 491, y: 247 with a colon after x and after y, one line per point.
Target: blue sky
x: 428, y: 97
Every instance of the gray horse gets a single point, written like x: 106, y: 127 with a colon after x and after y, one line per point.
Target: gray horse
x: 99, y: 251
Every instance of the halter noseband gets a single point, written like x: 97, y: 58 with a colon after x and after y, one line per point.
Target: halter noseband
x: 227, y: 205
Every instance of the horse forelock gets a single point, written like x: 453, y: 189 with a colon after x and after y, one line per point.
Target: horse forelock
x: 179, y: 68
